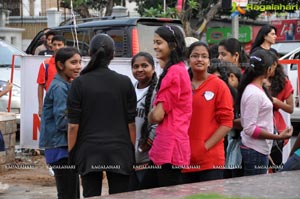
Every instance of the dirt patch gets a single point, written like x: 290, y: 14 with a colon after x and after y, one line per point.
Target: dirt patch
x: 28, y: 169
x: 28, y: 177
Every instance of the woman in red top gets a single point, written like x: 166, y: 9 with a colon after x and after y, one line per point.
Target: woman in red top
x: 212, y: 118
x: 282, y: 93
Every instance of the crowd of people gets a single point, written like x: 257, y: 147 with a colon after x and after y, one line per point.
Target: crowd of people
x: 215, y: 120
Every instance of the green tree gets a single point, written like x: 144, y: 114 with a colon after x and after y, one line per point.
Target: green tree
x: 203, y: 11
x: 82, y: 6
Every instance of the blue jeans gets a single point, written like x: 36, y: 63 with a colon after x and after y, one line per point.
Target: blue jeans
x: 293, y: 163
x: 254, y: 163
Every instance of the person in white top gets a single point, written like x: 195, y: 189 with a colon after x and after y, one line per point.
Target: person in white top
x: 143, y: 70
x: 257, y: 114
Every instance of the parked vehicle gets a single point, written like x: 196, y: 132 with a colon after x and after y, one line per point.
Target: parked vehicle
x: 292, y: 72
x: 6, y: 53
x: 131, y: 34
x: 15, y: 102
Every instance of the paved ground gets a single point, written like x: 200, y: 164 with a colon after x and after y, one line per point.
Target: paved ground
x: 278, y: 185
x: 36, y: 182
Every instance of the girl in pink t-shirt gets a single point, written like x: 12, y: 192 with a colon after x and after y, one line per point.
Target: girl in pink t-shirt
x: 172, y: 107
x: 257, y: 114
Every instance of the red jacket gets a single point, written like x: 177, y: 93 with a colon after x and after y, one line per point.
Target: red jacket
x: 212, y: 107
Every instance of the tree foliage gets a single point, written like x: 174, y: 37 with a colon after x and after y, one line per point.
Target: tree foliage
x: 82, y: 6
x: 201, y: 11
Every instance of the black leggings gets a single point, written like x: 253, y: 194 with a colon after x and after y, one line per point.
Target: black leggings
x: 166, y: 175
x: 92, y: 183
x: 67, y: 180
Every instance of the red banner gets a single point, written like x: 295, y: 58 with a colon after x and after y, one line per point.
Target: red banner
x: 287, y: 30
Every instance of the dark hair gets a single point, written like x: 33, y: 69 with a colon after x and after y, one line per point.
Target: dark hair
x: 260, y: 38
x: 260, y: 62
x: 175, y: 39
x: 59, y: 38
x: 64, y: 54
x: 233, y: 46
x: 148, y: 56
x: 102, y: 49
x: 277, y: 81
x: 214, y: 51
x: 225, y: 68
x: 152, y: 84
x: 190, y: 50
x: 216, y: 66
x: 50, y: 32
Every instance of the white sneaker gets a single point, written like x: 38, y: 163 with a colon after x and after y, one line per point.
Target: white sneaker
x: 51, y: 172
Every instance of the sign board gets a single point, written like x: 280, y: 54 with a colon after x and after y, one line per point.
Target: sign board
x: 30, y: 120
x: 215, y: 35
x: 287, y: 30
x: 241, y: 3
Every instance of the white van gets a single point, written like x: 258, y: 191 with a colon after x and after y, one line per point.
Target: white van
x: 292, y: 72
x: 6, y: 53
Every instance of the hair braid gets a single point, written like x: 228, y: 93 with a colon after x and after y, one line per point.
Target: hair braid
x: 151, y: 88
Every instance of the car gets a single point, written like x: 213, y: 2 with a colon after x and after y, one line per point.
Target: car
x: 6, y: 55
x: 292, y: 73
x: 131, y: 34
x: 15, y: 102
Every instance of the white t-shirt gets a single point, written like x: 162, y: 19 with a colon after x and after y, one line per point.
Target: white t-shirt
x: 140, y: 157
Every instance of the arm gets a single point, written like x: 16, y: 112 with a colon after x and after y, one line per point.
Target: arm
x: 41, y: 81
x: 74, y: 113
x: 132, y: 132
x: 288, y: 106
x: 60, y: 107
x: 216, y: 137
x: 40, y: 98
x: 72, y: 135
x: 157, y: 114
x: 224, y: 116
x: 263, y: 134
x: 237, y: 124
x: 251, y: 111
x: 7, y: 89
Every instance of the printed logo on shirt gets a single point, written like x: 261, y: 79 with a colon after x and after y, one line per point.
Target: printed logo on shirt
x: 141, y: 110
x: 208, y: 95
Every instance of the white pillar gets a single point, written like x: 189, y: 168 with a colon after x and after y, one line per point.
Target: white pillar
x: 3, y: 17
x: 53, y: 17
x: 235, y: 26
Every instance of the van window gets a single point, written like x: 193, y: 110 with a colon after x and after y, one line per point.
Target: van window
x: 83, y: 40
x: 146, y: 31
x: 295, y: 66
x: 120, y: 38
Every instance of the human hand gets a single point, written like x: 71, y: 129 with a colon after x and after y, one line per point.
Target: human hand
x: 287, y: 133
x: 8, y: 87
x: 144, y: 144
x: 40, y: 111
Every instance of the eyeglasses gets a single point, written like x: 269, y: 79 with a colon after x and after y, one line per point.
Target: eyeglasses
x: 196, y: 56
